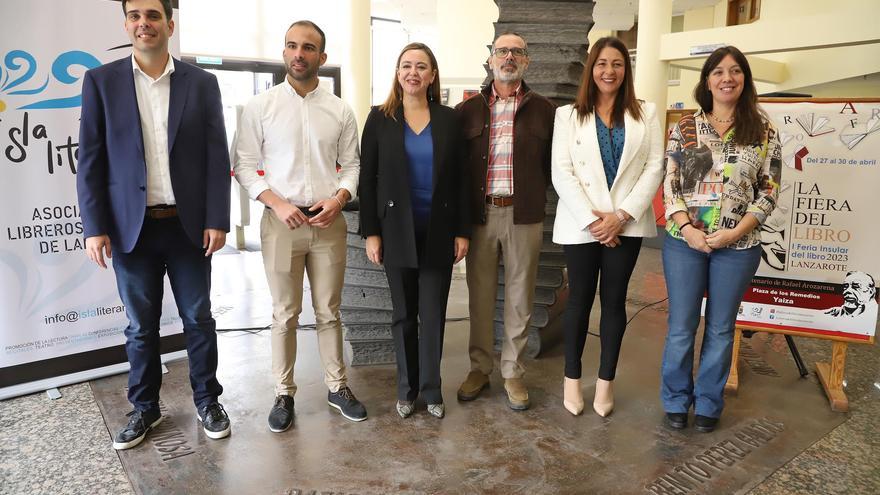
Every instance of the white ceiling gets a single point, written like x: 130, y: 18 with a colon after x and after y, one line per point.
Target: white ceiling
x: 620, y: 15
x: 608, y: 14
x: 632, y: 6
x: 414, y: 14
x: 680, y: 6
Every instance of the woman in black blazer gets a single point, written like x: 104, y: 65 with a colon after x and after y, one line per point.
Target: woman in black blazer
x: 415, y: 218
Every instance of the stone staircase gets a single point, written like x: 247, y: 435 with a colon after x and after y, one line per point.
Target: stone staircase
x: 366, y: 303
x: 551, y: 292
x: 556, y: 32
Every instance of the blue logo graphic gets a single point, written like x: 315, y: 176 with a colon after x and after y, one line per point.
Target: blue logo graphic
x: 19, y: 67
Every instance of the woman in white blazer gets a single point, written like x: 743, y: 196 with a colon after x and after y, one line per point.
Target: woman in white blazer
x: 607, y: 164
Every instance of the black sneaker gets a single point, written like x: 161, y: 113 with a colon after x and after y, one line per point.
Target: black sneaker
x: 214, y: 420
x: 677, y: 421
x: 139, y: 423
x: 348, y: 405
x: 705, y: 424
x: 281, y: 415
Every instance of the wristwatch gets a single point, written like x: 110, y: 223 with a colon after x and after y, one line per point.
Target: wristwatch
x: 622, y: 217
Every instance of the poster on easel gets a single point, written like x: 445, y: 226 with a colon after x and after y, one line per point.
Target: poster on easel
x: 819, y: 268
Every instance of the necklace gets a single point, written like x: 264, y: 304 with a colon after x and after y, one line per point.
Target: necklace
x: 721, y: 121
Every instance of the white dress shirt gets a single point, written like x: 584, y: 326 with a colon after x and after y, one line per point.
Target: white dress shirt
x: 298, y: 140
x: 153, y: 96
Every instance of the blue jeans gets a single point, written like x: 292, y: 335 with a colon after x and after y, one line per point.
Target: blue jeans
x: 724, y: 274
x: 164, y: 246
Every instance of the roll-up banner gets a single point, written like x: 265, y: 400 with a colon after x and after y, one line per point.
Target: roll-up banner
x: 61, y: 320
x: 819, y: 270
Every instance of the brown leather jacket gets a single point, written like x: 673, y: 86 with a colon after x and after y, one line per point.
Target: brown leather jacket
x: 533, y: 135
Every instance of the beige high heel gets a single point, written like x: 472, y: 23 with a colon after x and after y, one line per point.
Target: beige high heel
x: 603, y: 403
x: 572, y: 396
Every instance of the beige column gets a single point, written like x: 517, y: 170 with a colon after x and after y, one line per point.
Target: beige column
x: 652, y: 74
x: 356, y: 71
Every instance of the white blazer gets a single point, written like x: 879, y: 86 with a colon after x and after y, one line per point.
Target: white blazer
x: 579, y: 177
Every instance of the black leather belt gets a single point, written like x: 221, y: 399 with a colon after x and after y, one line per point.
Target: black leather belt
x: 500, y: 201
x: 159, y: 212
x: 305, y: 210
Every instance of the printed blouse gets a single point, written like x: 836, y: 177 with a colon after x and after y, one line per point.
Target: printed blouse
x: 717, y: 181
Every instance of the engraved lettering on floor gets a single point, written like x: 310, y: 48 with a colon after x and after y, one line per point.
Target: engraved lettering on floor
x: 755, y: 361
x: 168, y: 439
x: 690, y: 475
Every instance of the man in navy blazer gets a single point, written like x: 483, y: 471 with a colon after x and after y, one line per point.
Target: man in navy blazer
x: 153, y: 187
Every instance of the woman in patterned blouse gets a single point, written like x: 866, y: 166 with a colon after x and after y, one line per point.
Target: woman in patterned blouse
x: 722, y: 179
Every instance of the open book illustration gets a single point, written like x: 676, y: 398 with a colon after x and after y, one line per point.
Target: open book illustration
x: 855, y: 136
x: 814, y: 125
x: 785, y: 138
x: 794, y: 158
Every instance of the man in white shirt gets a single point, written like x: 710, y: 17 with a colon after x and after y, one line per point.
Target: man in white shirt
x: 299, y: 132
x: 153, y: 188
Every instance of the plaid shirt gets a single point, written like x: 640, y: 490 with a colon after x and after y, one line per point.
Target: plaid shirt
x: 499, y: 175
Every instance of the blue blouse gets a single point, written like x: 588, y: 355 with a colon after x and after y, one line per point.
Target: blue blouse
x: 420, y: 154
x: 611, y: 148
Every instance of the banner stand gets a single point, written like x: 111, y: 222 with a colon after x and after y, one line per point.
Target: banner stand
x: 61, y: 318
x: 83, y: 376
x: 830, y: 374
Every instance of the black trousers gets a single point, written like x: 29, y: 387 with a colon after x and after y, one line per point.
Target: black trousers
x: 585, y: 262
x: 419, y: 297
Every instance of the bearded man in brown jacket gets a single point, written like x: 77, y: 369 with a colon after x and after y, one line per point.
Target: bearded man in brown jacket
x: 508, y: 131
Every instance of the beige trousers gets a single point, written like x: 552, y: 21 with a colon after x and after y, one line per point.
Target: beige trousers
x: 321, y: 254
x: 519, y: 246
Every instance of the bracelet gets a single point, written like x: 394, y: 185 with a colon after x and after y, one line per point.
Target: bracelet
x: 682, y: 226
x: 340, y: 202
x: 621, y: 217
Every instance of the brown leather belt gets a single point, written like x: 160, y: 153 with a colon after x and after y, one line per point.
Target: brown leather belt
x: 160, y: 212
x: 499, y: 201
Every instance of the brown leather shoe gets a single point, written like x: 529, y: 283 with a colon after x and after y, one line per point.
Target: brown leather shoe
x: 517, y: 394
x: 475, y: 383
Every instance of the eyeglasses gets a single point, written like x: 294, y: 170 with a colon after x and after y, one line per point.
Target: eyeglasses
x: 502, y: 52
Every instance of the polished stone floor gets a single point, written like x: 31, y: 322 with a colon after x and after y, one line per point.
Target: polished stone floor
x: 777, y: 436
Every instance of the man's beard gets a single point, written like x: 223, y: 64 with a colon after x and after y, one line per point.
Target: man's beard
x: 504, y: 76
x: 306, y: 75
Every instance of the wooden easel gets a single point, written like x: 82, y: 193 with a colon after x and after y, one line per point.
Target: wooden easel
x: 830, y: 374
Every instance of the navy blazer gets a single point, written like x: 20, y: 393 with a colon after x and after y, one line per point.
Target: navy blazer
x: 112, y: 174
x: 384, y: 189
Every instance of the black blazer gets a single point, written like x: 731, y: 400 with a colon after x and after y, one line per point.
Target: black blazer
x: 384, y: 190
